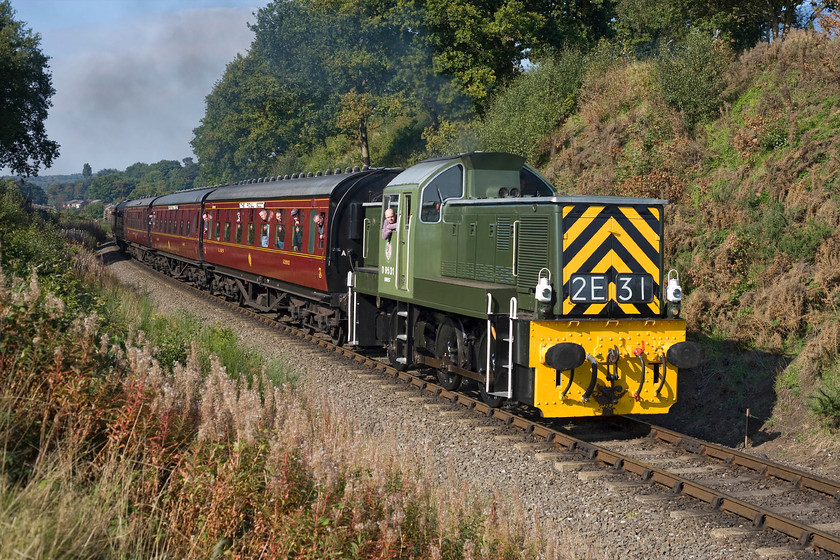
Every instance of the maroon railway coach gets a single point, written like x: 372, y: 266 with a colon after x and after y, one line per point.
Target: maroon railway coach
x: 135, y: 222
x: 280, y: 245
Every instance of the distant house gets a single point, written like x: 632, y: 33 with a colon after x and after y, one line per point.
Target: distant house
x: 78, y: 204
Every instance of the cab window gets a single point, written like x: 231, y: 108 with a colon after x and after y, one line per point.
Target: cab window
x: 531, y: 184
x: 448, y: 184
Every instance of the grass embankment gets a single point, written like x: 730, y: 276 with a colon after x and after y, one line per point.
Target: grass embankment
x: 176, y: 443
x: 745, y: 148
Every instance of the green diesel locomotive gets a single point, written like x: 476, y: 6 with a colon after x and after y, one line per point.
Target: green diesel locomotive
x: 485, y: 273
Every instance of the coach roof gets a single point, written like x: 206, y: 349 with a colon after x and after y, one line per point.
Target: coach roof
x: 302, y: 187
x: 140, y: 202
x: 192, y: 196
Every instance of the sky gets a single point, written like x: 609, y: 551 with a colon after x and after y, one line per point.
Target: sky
x: 130, y: 76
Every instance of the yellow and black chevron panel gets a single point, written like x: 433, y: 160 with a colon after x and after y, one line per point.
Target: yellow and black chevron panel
x: 612, y: 260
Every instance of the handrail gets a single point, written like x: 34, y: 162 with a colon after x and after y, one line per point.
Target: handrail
x: 365, y: 223
x: 351, y: 309
x: 489, y: 337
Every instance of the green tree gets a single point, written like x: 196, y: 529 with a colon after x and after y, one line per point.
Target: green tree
x: 348, y: 56
x: 484, y: 44
x: 548, y: 91
x: 251, y: 118
x: 25, y: 91
x: 318, y: 69
x: 86, y: 170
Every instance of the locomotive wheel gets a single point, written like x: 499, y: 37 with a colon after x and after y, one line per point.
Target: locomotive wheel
x: 492, y: 401
x: 396, y: 347
x: 338, y: 336
x: 450, y: 344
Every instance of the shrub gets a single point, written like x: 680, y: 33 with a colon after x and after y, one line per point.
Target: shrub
x: 692, y: 77
x: 825, y: 404
x: 521, y: 117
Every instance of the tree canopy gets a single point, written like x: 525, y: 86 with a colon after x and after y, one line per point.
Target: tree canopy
x: 25, y: 91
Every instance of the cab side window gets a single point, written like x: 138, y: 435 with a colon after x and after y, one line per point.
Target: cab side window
x: 530, y: 184
x: 448, y: 184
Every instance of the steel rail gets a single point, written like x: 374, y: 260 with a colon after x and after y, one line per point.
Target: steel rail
x: 761, y: 518
x: 762, y: 467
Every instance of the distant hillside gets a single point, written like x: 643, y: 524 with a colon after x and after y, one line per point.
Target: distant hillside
x: 45, y: 181
x: 754, y: 224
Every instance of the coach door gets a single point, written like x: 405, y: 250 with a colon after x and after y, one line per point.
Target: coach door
x: 395, y: 257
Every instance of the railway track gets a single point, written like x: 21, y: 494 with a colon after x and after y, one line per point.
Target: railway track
x: 654, y: 461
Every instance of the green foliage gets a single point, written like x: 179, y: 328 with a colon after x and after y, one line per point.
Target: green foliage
x: 451, y: 137
x: 825, y: 403
x: 25, y: 91
x: 316, y: 70
x: 549, y: 91
x: 93, y: 211
x: 691, y: 77
x: 801, y: 242
x: 643, y: 26
x: 251, y: 119
x: 138, y: 180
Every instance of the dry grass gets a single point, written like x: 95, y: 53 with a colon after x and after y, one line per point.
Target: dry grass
x: 108, y: 455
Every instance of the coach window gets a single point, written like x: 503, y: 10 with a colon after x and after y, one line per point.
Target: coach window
x: 280, y: 230
x: 449, y: 184
x: 227, y: 231
x: 316, y: 231
x: 251, y: 233
x: 238, y: 238
x: 181, y: 227
x: 189, y: 228
x: 264, y: 235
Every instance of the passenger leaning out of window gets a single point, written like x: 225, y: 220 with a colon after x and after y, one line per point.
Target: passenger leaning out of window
x: 389, y: 226
x: 297, y: 230
x: 319, y: 226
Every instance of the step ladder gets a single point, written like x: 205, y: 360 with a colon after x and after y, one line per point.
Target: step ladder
x: 402, y: 330
x: 509, y: 339
x: 352, y: 310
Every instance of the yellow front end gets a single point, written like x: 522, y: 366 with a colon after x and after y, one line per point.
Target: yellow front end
x: 632, y: 352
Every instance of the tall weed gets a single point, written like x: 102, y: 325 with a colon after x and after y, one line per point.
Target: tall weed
x: 109, y: 454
